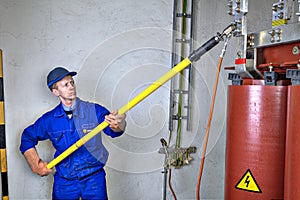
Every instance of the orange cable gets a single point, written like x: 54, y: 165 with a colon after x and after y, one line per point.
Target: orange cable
x: 208, y: 127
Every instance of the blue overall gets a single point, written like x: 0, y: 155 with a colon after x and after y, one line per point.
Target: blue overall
x: 81, y: 174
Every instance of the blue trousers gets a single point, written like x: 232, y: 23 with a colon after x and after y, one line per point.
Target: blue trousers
x: 92, y: 187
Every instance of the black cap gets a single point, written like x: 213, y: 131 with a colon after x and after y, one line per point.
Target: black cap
x: 57, y: 74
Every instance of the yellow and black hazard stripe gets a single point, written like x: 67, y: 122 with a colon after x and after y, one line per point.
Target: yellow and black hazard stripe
x: 279, y: 22
x: 3, y: 160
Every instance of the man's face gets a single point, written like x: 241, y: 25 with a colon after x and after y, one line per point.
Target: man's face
x: 65, y: 88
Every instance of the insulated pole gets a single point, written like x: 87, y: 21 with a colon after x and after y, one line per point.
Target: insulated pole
x: 154, y: 86
x: 195, y: 55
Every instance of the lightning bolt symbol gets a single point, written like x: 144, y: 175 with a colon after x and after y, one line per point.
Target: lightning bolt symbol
x: 247, y: 181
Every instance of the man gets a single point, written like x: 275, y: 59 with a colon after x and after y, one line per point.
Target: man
x: 81, y: 174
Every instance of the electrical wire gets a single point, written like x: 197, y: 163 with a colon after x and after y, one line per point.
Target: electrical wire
x: 170, y: 185
x: 210, y: 119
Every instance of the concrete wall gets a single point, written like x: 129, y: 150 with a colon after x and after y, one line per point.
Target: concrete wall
x: 118, y: 48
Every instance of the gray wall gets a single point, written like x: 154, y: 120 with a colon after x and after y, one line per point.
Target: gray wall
x: 118, y: 48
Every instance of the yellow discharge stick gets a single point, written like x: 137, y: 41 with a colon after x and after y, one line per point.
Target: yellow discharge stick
x: 154, y: 86
x: 195, y: 55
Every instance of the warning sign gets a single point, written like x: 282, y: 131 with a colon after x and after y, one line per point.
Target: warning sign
x: 248, y: 183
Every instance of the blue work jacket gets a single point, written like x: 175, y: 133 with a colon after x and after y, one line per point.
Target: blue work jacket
x: 64, y: 132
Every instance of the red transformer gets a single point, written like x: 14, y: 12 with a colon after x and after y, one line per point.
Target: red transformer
x: 263, y: 118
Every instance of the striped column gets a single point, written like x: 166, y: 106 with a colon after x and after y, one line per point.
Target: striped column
x: 3, y: 160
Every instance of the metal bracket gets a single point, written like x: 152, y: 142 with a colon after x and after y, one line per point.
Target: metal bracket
x: 177, y: 157
x: 183, y: 15
x: 235, y: 78
x: 270, y: 78
x: 294, y: 75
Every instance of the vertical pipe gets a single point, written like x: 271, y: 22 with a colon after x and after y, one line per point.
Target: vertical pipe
x: 190, y: 74
x: 2, y: 136
x: 165, y: 172
x: 298, y: 13
x: 181, y: 75
x: 171, y: 110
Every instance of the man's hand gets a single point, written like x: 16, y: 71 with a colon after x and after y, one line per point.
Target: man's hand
x: 116, y: 122
x: 42, y: 169
x: 36, y: 164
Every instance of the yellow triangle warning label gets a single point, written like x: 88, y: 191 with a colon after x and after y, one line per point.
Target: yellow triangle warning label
x: 248, y: 183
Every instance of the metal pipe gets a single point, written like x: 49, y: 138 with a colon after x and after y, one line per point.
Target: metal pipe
x: 165, y: 172
x: 171, y: 109
x: 190, y: 73
x: 298, y: 13
x: 181, y: 77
